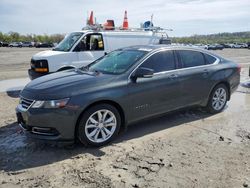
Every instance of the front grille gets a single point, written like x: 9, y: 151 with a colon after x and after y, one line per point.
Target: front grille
x: 26, y: 103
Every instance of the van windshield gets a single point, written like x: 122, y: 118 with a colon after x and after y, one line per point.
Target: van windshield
x: 66, y: 44
x: 117, y: 61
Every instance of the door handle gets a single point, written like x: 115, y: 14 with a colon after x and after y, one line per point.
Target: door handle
x: 173, y: 76
x: 205, y: 71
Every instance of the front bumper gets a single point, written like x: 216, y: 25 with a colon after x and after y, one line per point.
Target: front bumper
x: 48, y: 124
x: 33, y: 75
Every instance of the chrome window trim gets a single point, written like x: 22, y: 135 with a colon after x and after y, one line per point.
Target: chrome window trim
x: 146, y: 58
x: 174, y: 49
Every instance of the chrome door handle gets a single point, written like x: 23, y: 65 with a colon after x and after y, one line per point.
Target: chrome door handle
x: 173, y: 76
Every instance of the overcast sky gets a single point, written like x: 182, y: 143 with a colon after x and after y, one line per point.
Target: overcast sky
x: 185, y: 17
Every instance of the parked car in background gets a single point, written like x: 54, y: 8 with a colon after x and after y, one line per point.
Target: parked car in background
x: 44, y: 45
x: 1, y: 43
x: 94, y: 103
x: 226, y: 45
x: 27, y: 44
x: 215, y: 47
x: 239, y: 45
x: 243, y: 45
x: 15, y: 44
x: 5, y: 44
x: 203, y: 46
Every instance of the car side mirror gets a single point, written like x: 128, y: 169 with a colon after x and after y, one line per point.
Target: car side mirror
x: 143, y: 72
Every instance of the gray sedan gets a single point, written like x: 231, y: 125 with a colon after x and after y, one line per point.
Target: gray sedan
x: 94, y: 103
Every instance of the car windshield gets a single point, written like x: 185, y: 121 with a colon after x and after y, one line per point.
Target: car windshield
x: 117, y: 61
x: 69, y: 40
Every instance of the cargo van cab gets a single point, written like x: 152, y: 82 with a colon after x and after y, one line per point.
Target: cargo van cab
x: 81, y: 48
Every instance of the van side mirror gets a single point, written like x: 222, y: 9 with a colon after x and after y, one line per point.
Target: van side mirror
x: 143, y: 72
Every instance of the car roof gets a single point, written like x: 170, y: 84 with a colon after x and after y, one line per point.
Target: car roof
x: 156, y: 47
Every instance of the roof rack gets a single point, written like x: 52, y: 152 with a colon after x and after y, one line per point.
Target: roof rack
x: 111, y: 28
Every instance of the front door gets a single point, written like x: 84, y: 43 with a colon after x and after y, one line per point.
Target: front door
x: 159, y: 94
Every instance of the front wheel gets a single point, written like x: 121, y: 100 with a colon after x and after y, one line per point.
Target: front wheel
x: 99, y: 125
x: 218, y: 99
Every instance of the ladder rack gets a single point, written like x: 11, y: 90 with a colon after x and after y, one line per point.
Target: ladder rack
x: 120, y: 29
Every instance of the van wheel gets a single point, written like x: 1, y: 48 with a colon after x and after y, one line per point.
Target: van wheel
x: 218, y: 99
x: 99, y: 125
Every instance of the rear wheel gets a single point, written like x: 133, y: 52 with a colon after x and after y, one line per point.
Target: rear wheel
x: 99, y: 125
x: 218, y: 99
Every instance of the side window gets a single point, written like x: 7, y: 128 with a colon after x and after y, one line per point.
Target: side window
x: 91, y: 42
x: 191, y: 58
x: 161, y: 61
x: 209, y: 59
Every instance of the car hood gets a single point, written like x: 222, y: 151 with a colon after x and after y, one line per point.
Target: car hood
x: 65, y: 84
x: 47, y: 53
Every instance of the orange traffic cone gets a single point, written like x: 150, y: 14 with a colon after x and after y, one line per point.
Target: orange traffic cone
x: 91, y: 19
x: 125, y: 21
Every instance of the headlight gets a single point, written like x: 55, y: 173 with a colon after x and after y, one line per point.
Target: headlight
x: 51, y: 104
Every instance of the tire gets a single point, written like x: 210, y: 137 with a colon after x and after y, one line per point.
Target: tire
x: 91, y: 130
x: 218, y: 99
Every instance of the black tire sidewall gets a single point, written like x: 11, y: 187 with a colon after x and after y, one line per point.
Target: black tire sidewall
x: 210, y: 108
x: 82, y: 123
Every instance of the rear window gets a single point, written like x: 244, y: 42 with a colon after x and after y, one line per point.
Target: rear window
x: 191, y: 58
x: 210, y: 59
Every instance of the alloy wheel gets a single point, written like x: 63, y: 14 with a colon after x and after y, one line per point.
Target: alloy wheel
x: 100, y: 126
x: 219, y: 99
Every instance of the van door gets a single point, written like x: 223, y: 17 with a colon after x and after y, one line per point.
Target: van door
x: 89, y: 48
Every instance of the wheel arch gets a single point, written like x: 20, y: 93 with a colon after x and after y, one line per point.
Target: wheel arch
x: 224, y: 82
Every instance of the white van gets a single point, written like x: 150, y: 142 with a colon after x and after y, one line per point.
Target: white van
x: 81, y: 48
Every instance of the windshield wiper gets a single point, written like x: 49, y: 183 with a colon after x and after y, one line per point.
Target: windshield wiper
x: 83, y: 71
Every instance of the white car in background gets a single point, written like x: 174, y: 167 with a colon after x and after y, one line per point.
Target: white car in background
x: 27, y: 44
x: 239, y: 45
x: 202, y: 46
x: 16, y: 44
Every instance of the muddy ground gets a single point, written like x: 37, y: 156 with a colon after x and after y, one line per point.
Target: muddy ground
x: 189, y: 148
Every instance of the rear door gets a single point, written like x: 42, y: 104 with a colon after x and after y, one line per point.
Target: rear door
x: 193, y: 76
x: 159, y: 94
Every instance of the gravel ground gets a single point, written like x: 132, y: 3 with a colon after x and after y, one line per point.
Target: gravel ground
x: 189, y: 148
x: 15, y: 62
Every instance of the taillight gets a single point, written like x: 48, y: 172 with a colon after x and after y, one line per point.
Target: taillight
x: 238, y: 68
